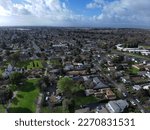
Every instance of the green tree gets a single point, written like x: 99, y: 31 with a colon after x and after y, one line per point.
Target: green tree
x: 16, y: 78
x: 68, y: 105
x: 5, y: 95
x: 15, y: 58
x: 67, y: 86
x: 118, y: 59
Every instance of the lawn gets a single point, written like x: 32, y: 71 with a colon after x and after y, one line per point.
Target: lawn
x: 146, y: 47
x: 25, y: 101
x: 85, y: 100
x: 57, y: 109
x: 2, y: 109
x: 133, y: 71
x: 36, y: 64
x: 55, y: 63
x: 0, y: 72
x: 78, y: 101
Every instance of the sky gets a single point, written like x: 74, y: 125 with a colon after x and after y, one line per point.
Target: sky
x: 76, y: 13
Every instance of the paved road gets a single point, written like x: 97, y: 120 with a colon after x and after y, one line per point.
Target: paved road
x: 38, y: 105
x: 121, y: 88
x: 46, y: 72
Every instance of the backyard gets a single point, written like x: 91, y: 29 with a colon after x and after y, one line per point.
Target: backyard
x: 133, y: 71
x: 78, y: 102
x: 85, y: 100
x: 25, y: 101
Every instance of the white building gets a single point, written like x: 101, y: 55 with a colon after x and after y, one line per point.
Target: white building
x: 137, y: 87
x: 141, y: 50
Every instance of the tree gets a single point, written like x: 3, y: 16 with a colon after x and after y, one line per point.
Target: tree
x: 68, y: 105
x: 67, y: 86
x: 5, y: 95
x: 16, y: 78
x: 15, y: 58
x: 33, y: 64
x: 118, y: 59
x: 142, y: 95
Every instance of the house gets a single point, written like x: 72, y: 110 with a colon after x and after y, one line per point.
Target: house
x: 147, y: 74
x: 124, y: 79
x: 98, y: 83
x: 147, y: 67
x: 146, y: 87
x: 117, y: 106
x: 111, y: 69
x: 142, y: 73
x: 85, y: 78
x: 89, y: 92
x: 137, y: 87
x: 110, y: 94
x: 96, y: 80
x: 68, y: 67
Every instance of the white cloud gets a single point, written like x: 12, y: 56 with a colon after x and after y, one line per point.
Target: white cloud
x: 38, y: 12
x: 96, y: 4
x: 122, y: 12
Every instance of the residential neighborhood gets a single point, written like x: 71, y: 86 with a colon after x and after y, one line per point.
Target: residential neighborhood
x: 74, y: 70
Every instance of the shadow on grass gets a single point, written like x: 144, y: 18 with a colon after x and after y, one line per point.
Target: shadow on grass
x: 15, y: 101
x: 20, y: 96
x: 19, y: 110
x: 27, y: 87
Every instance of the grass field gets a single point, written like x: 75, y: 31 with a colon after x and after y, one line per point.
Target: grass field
x: 85, y: 100
x: 78, y: 101
x: 25, y: 101
x: 2, y: 109
x: 36, y: 64
x: 146, y: 47
x: 57, y: 109
x: 133, y: 71
x: 55, y: 63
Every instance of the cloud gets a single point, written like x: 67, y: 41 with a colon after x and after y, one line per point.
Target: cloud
x: 39, y: 12
x: 96, y: 4
x: 112, y: 13
x: 122, y: 12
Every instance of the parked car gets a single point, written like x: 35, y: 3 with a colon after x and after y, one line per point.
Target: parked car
x: 132, y: 102
x: 137, y: 100
x: 125, y: 94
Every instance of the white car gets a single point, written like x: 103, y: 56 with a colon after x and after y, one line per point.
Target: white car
x: 142, y: 111
x: 137, y: 100
x: 133, y: 103
x: 124, y: 94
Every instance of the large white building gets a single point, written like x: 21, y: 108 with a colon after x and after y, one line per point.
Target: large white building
x: 140, y: 50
